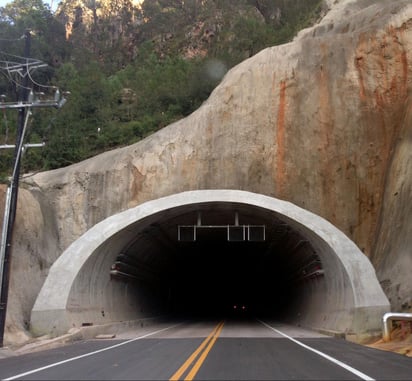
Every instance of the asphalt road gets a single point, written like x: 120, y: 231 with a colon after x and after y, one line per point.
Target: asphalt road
x: 226, y: 350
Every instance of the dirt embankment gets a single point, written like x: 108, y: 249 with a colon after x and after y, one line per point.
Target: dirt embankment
x: 401, y: 341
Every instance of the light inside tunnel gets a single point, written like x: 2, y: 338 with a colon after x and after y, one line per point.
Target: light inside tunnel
x: 203, y: 261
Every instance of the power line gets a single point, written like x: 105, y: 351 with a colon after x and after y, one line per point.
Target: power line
x: 39, y: 84
x: 17, y: 58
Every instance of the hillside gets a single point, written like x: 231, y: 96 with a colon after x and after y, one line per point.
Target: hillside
x: 130, y: 69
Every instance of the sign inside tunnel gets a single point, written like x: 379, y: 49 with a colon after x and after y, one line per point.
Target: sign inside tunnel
x: 236, y: 233
x: 256, y: 233
x: 231, y: 233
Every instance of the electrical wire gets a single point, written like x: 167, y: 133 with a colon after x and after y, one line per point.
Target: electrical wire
x: 39, y: 84
x: 14, y: 68
x: 9, y: 75
x: 10, y: 63
x: 22, y: 59
x: 16, y: 82
x: 6, y: 64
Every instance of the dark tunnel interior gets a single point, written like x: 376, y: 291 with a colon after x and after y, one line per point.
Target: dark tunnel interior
x: 220, y: 260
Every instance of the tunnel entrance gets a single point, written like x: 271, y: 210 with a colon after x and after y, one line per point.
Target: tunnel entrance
x: 250, y: 255
x: 226, y: 263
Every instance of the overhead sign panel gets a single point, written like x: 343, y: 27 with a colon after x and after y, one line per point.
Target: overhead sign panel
x: 234, y: 233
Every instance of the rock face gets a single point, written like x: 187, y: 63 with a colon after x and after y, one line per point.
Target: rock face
x: 324, y: 122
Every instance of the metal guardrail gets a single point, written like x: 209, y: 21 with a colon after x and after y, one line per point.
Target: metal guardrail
x: 387, y: 322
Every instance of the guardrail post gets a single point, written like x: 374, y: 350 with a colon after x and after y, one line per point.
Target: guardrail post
x: 387, y: 322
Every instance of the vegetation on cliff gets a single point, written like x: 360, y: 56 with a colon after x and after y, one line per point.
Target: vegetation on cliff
x: 131, y: 68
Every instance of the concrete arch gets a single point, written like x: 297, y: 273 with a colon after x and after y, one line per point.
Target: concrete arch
x: 79, y: 290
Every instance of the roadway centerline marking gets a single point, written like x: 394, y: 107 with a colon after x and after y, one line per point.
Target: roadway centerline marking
x: 203, y: 356
x: 356, y: 372
x: 202, y: 352
x: 87, y: 354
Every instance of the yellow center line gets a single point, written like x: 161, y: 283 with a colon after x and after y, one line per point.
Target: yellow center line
x: 211, y: 338
x: 203, y: 356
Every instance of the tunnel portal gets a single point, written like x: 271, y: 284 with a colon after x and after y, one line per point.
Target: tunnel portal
x: 215, y: 253
x: 221, y: 259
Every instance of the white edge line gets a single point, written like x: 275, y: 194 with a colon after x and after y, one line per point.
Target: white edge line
x: 86, y: 354
x: 356, y: 372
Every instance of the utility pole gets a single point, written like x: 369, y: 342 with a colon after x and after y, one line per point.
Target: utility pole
x: 23, y: 105
x: 11, y: 195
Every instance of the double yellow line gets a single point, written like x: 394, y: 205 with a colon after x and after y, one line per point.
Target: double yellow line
x: 200, y: 354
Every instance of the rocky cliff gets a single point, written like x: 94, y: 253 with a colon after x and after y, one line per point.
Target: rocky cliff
x: 323, y: 122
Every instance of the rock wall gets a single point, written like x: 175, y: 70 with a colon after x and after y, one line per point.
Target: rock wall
x: 323, y: 122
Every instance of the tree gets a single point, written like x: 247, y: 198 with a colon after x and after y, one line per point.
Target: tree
x: 49, y: 42
x: 126, y: 67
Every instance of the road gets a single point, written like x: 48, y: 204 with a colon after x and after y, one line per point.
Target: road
x: 213, y: 350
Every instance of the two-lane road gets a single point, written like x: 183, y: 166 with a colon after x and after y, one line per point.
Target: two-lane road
x: 218, y: 350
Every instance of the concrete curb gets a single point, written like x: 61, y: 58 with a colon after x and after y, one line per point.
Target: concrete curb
x: 6, y: 352
x: 79, y: 334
